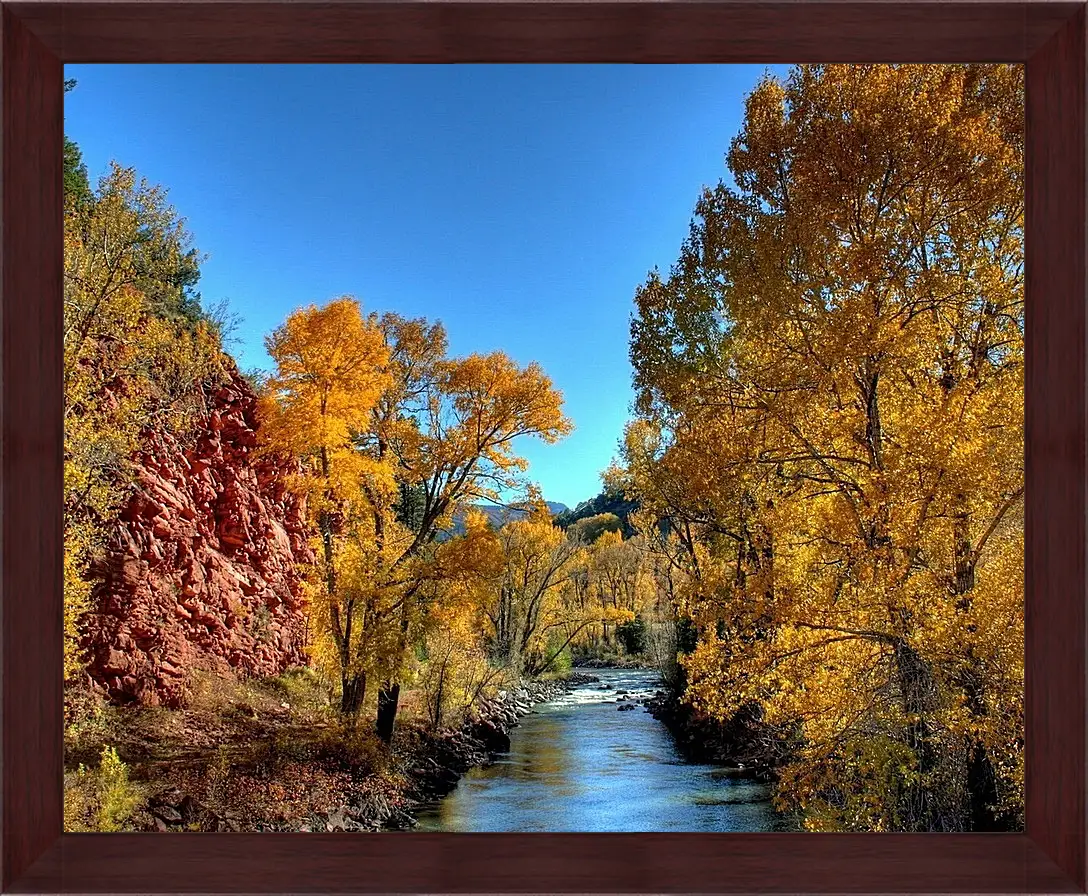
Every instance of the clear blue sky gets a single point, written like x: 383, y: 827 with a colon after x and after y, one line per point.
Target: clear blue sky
x: 520, y: 205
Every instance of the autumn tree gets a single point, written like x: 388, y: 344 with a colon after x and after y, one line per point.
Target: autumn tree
x: 470, y: 412
x: 331, y: 371
x: 619, y: 570
x: 527, y: 604
x: 419, y: 435
x: 590, y: 528
x: 830, y: 388
x: 458, y: 670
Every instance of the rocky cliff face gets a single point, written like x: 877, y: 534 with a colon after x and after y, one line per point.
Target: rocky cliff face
x: 202, y: 567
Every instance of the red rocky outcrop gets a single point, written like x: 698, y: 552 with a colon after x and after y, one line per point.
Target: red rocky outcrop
x: 202, y: 568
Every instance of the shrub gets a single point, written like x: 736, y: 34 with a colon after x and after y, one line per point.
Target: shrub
x: 356, y: 747
x: 101, y: 799
x: 300, y: 687
x: 560, y: 666
x: 118, y: 798
x: 633, y: 635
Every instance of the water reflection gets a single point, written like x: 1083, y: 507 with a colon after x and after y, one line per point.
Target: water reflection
x: 581, y: 764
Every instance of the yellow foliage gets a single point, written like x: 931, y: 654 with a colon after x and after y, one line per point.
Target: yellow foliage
x: 130, y: 362
x: 330, y: 373
x: 831, y: 421
x: 394, y: 437
x: 101, y: 799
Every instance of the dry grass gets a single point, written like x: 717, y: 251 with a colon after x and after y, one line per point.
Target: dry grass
x: 267, y: 750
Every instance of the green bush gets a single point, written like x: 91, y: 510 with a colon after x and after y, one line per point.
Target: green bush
x: 633, y: 635
x: 560, y: 663
x: 563, y: 662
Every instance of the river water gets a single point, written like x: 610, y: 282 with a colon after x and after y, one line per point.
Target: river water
x: 580, y: 764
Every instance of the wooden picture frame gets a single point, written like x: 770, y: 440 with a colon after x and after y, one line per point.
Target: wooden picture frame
x: 39, y: 36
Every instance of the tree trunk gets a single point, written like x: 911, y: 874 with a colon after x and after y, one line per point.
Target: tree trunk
x: 352, y: 693
x: 981, y: 778
x: 389, y: 694
x: 388, y: 703
x: 918, y: 693
x: 982, y: 792
x: 436, y: 719
x: 869, y: 381
x: 964, y: 581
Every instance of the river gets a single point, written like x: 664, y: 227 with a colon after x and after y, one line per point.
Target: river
x: 578, y: 763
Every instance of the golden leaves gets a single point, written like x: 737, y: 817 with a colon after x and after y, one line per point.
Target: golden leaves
x: 330, y: 373
x: 394, y: 437
x: 831, y: 387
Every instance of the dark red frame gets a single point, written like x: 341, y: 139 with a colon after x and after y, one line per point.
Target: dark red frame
x: 38, y: 36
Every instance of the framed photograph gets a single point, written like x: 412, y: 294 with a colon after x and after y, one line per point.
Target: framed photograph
x: 270, y: 590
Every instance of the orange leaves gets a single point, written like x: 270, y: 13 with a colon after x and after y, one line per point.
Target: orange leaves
x: 330, y: 373
x: 494, y: 401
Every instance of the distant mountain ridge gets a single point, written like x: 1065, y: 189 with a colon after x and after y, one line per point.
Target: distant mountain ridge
x: 608, y: 501
x: 498, y: 514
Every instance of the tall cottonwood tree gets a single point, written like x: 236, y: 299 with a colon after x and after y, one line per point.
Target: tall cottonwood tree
x: 425, y: 427
x: 619, y: 576
x: 529, y: 597
x: 830, y: 387
x: 331, y: 371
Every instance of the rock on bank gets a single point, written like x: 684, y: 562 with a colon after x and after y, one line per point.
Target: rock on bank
x: 200, y: 570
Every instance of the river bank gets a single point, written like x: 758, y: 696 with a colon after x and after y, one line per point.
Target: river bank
x: 615, y: 662
x: 435, y: 763
x: 567, y: 754
x: 744, y: 745
x: 273, y: 755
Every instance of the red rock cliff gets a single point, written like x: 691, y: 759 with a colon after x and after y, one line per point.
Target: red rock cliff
x: 202, y: 568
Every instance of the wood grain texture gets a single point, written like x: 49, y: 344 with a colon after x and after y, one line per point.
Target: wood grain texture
x: 543, y: 31
x: 30, y: 467
x: 39, y: 34
x: 546, y: 863
x: 1055, y: 441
